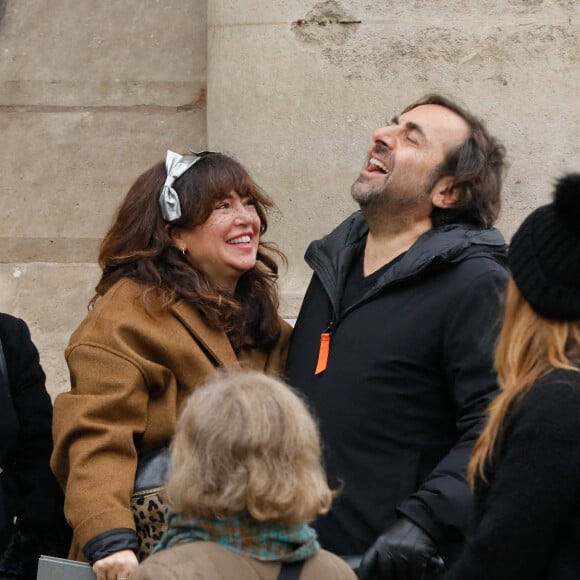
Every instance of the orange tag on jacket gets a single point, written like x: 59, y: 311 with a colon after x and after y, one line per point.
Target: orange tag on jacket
x: 323, y: 353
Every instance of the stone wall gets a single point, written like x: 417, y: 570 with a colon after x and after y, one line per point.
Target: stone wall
x: 92, y: 93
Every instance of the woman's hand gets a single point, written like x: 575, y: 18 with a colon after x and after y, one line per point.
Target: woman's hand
x: 117, y: 566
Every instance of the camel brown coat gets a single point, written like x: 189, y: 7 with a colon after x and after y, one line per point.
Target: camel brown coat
x: 203, y: 560
x: 131, y: 371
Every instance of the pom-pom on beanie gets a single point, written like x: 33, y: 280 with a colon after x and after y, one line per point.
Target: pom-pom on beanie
x: 544, y: 254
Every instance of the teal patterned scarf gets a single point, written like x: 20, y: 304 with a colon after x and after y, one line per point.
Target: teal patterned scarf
x: 242, y: 534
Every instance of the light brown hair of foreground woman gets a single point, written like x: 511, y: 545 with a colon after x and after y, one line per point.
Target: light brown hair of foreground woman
x: 246, y: 477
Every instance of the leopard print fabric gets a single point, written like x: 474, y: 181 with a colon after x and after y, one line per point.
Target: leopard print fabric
x: 149, y: 513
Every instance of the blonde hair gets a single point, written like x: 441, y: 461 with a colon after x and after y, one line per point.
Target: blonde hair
x: 529, y: 346
x: 246, y: 442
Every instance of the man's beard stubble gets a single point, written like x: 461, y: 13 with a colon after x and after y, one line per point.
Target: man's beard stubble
x: 366, y: 196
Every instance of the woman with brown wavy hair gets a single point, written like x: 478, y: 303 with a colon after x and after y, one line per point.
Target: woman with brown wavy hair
x: 246, y: 479
x: 188, y: 285
x: 525, y: 466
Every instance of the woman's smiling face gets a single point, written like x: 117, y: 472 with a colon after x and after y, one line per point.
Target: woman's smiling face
x: 226, y: 244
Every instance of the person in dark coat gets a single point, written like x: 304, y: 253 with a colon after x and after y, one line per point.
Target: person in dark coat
x: 31, y: 502
x: 393, y: 343
x: 525, y: 466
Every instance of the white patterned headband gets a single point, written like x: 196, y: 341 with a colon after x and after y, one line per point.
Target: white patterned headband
x: 176, y: 165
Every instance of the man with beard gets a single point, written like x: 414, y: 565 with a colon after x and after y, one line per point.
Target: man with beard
x: 393, y: 346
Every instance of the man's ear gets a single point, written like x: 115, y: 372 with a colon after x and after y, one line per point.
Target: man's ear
x: 445, y: 194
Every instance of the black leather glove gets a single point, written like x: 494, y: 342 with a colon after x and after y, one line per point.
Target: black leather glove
x: 403, y: 552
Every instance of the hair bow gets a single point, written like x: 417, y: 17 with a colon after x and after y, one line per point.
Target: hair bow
x: 176, y: 165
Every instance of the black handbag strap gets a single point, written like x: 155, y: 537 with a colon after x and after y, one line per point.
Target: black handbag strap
x: 291, y: 570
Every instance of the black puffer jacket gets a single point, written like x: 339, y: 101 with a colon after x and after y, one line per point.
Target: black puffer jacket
x: 409, y: 375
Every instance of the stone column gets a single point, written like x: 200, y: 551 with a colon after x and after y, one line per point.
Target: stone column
x: 91, y: 95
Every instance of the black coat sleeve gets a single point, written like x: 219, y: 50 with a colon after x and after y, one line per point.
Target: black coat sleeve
x: 443, y: 504
x: 34, y: 493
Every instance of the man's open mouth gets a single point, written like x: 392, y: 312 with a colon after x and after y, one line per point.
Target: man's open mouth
x: 374, y: 162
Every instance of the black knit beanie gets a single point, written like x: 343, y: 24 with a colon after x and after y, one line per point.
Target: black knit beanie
x: 544, y: 254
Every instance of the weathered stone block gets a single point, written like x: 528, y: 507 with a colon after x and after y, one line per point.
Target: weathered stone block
x: 64, y: 185
x: 52, y: 299
x: 78, y: 54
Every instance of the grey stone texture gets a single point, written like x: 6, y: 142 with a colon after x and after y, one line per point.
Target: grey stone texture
x: 92, y: 93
